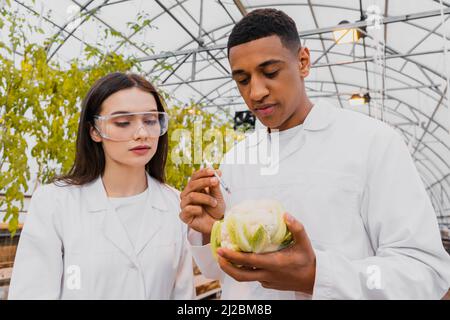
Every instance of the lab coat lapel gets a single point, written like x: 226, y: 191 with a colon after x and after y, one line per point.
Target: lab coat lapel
x: 115, y: 232
x: 112, y: 227
x: 319, y: 118
x: 153, y: 215
x: 292, y: 146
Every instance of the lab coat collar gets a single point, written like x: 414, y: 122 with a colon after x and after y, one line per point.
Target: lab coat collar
x: 320, y: 116
x: 152, y: 219
x: 112, y: 225
x: 95, y: 195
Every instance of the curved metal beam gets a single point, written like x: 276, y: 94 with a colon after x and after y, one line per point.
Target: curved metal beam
x: 189, y: 33
x: 415, y: 79
x: 354, y: 85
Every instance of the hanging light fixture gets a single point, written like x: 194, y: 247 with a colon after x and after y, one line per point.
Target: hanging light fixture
x: 344, y: 35
x: 358, y: 99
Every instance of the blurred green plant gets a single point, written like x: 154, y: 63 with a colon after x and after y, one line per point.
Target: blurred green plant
x: 39, y: 112
x: 39, y: 105
x: 196, y: 137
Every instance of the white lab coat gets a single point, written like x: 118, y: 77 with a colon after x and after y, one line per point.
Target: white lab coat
x: 351, y: 181
x: 74, y: 246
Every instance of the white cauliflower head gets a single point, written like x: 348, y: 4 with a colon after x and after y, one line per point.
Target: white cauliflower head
x: 252, y: 226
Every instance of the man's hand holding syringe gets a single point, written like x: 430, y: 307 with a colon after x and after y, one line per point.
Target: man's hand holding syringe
x: 202, y: 201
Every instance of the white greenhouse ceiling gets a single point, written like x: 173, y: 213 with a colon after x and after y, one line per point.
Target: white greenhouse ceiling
x: 402, y: 64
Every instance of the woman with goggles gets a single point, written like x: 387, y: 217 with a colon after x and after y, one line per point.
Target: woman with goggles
x: 109, y: 229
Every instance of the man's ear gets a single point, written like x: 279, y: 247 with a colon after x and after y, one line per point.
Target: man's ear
x: 95, y: 135
x: 304, y: 62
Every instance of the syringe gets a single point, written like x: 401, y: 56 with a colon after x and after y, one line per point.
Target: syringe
x: 222, y: 183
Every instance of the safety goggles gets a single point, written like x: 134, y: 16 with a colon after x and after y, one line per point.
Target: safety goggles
x: 126, y: 126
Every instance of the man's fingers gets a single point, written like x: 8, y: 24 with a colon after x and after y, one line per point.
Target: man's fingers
x: 215, y: 189
x: 203, y: 223
x: 202, y: 173
x: 272, y: 285
x: 241, y: 274
x: 197, y: 198
x: 189, y: 213
x: 260, y: 261
x: 199, y: 184
x: 298, y: 230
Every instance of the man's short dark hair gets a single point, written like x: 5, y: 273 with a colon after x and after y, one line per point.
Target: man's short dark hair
x: 262, y: 23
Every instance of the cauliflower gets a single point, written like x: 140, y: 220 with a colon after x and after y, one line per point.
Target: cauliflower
x: 252, y: 226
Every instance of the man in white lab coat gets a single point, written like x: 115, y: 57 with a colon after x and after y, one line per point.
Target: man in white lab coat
x: 363, y: 225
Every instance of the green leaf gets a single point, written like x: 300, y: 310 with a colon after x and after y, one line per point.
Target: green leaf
x: 259, y: 240
x: 216, y: 237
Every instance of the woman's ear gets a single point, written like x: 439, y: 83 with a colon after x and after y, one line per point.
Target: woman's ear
x: 304, y: 62
x: 95, y: 135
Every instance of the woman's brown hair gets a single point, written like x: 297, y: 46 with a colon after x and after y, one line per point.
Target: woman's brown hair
x: 89, y: 158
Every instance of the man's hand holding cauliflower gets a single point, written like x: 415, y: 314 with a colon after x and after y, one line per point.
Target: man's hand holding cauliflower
x: 256, y: 241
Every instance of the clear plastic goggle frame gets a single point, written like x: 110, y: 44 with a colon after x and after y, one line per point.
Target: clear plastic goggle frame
x: 126, y: 126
